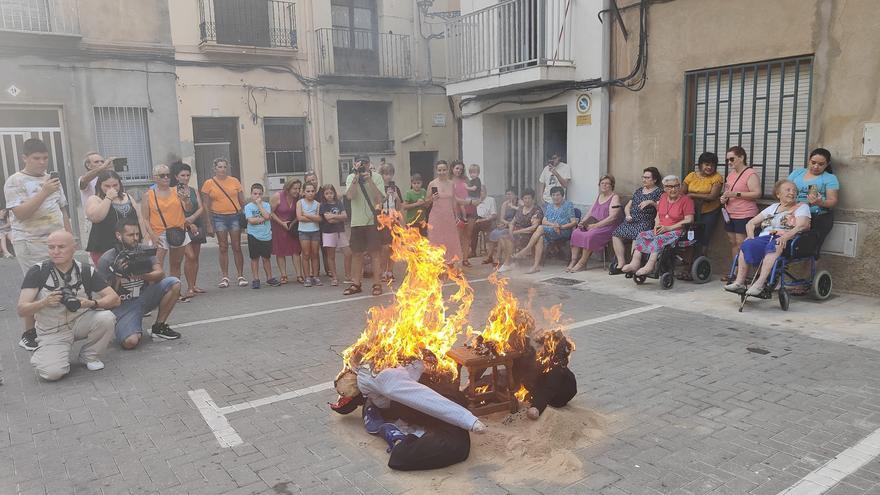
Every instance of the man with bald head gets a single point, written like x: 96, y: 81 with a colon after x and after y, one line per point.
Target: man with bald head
x: 68, y: 301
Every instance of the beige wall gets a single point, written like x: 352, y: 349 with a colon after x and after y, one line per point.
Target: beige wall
x: 646, y: 127
x: 128, y: 21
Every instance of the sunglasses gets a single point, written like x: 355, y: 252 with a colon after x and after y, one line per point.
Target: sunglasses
x: 672, y: 186
x: 163, y: 176
x: 730, y: 159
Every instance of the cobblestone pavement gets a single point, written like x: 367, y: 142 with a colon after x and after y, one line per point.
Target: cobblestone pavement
x: 692, y: 404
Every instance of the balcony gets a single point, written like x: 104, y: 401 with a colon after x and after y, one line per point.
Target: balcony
x: 269, y: 24
x: 513, y: 44
x: 345, y: 52
x: 55, y: 17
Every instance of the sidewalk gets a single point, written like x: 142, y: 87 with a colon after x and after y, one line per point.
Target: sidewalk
x: 845, y: 318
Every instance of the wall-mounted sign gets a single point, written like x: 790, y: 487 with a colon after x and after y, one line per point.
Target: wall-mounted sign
x: 13, y: 90
x: 584, y: 104
x: 439, y: 120
x: 584, y: 119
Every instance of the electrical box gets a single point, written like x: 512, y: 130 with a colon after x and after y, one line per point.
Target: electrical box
x: 871, y: 140
x: 842, y: 239
x: 276, y: 182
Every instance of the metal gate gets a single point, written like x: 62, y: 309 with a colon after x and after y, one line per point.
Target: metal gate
x: 11, y: 143
x: 525, y: 151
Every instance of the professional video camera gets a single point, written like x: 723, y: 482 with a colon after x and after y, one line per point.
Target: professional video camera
x: 135, y: 261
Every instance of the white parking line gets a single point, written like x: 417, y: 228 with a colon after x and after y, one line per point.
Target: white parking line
x: 226, y: 435
x: 293, y: 308
x: 834, y: 471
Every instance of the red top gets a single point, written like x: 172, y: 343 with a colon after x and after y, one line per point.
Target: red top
x: 671, y: 213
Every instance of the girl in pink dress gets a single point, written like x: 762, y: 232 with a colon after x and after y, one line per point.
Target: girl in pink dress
x: 445, y: 211
x: 285, y: 241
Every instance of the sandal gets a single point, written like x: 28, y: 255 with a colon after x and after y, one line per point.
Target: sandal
x: 465, y: 263
x: 300, y: 279
x: 185, y: 299
x: 242, y: 282
x: 377, y: 289
x: 224, y: 283
x: 334, y: 282
x: 197, y: 290
x: 352, y: 289
x: 283, y: 280
x: 488, y: 261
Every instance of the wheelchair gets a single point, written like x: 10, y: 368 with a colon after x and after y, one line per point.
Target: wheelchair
x: 671, y: 257
x: 802, y: 249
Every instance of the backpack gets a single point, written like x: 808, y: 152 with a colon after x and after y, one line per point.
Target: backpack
x: 84, y: 274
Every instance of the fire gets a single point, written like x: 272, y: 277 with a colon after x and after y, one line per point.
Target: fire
x: 416, y: 324
x: 522, y: 394
x: 508, y: 326
x: 555, y: 350
x: 482, y: 389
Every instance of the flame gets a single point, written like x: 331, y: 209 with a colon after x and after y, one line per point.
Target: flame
x: 522, y: 394
x: 482, y: 389
x: 508, y: 326
x: 555, y: 350
x: 416, y: 325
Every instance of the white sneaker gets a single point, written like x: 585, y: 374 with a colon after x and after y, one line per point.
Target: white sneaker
x: 479, y: 427
x: 95, y: 365
x: 504, y: 268
x: 754, y: 291
x: 734, y: 287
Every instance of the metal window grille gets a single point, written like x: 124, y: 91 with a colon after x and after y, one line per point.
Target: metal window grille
x: 41, y: 16
x: 124, y: 132
x: 763, y: 107
x: 525, y: 138
x: 285, y: 145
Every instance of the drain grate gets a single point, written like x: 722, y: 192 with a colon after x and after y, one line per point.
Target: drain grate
x: 562, y: 281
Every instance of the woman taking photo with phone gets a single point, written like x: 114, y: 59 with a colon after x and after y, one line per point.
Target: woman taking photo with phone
x: 445, y: 214
x: 195, y: 226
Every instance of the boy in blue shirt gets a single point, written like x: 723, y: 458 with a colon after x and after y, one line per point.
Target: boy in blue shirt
x: 259, y: 236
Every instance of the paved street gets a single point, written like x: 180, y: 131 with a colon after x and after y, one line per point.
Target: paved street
x: 670, y: 401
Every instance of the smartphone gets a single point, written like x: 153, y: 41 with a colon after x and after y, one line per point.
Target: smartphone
x: 53, y: 175
x: 120, y: 164
x: 434, y: 190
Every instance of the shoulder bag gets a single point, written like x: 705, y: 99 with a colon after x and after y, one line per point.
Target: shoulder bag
x: 724, y: 214
x: 242, y: 219
x: 175, y: 236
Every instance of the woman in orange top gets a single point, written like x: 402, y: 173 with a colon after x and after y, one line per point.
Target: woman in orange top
x: 168, y: 201
x: 223, y: 198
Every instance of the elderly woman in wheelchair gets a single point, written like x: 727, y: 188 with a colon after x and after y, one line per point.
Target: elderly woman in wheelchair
x: 779, y: 223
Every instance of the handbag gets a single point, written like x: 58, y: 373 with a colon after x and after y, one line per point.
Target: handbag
x: 242, y: 219
x: 175, y: 236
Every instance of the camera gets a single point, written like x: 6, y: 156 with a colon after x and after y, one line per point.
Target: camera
x: 135, y: 261
x: 120, y: 165
x: 69, y: 299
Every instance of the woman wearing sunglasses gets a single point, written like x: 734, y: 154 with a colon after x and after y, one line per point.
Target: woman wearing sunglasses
x: 165, y: 221
x: 741, y: 190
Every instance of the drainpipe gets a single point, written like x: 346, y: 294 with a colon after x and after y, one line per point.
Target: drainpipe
x: 606, y: 93
x: 420, y: 130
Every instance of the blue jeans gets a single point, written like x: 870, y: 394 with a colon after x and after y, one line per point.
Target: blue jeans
x: 130, y: 314
x: 224, y: 222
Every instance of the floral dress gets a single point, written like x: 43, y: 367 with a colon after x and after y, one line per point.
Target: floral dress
x: 561, y: 215
x: 642, y: 219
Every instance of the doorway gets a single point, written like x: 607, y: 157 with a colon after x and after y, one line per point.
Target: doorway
x: 556, y: 134
x: 422, y: 163
x: 215, y: 137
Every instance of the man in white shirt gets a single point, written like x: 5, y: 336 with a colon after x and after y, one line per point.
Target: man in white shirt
x: 555, y: 173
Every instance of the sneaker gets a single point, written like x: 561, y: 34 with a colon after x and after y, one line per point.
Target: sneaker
x: 316, y: 281
x: 479, y: 427
x: 29, y: 340
x: 273, y: 282
x: 392, y: 435
x: 373, y: 420
x: 308, y: 282
x: 255, y: 284
x: 505, y: 268
x: 734, y: 287
x: 95, y: 365
x: 164, y: 331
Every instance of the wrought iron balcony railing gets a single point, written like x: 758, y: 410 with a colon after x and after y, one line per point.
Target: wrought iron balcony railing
x: 258, y: 23
x: 363, y: 53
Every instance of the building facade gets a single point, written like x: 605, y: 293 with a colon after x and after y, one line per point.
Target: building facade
x: 778, y: 78
x: 513, y: 65
x: 87, y: 75
x: 285, y: 87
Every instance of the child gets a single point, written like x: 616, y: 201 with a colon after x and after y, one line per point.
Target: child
x: 333, y: 217
x: 5, y: 231
x: 390, y: 205
x: 414, y: 205
x: 308, y: 214
x: 475, y: 186
x: 259, y: 236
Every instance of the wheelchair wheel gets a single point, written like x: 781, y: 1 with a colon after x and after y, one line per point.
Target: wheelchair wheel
x: 701, y: 270
x: 667, y: 280
x: 822, y: 286
x: 784, y: 299
x: 639, y: 279
x: 613, y: 269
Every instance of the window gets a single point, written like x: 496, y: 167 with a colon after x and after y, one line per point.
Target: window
x: 285, y: 145
x: 353, y: 23
x: 363, y: 127
x: 24, y: 15
x: 124, y: 132
x: 763, y: 107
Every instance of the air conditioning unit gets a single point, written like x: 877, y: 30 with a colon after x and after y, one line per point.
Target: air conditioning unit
x: 275, y: 182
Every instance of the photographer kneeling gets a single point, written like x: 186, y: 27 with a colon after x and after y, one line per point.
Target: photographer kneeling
x: 133, y: 271
x: 59, y: 293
